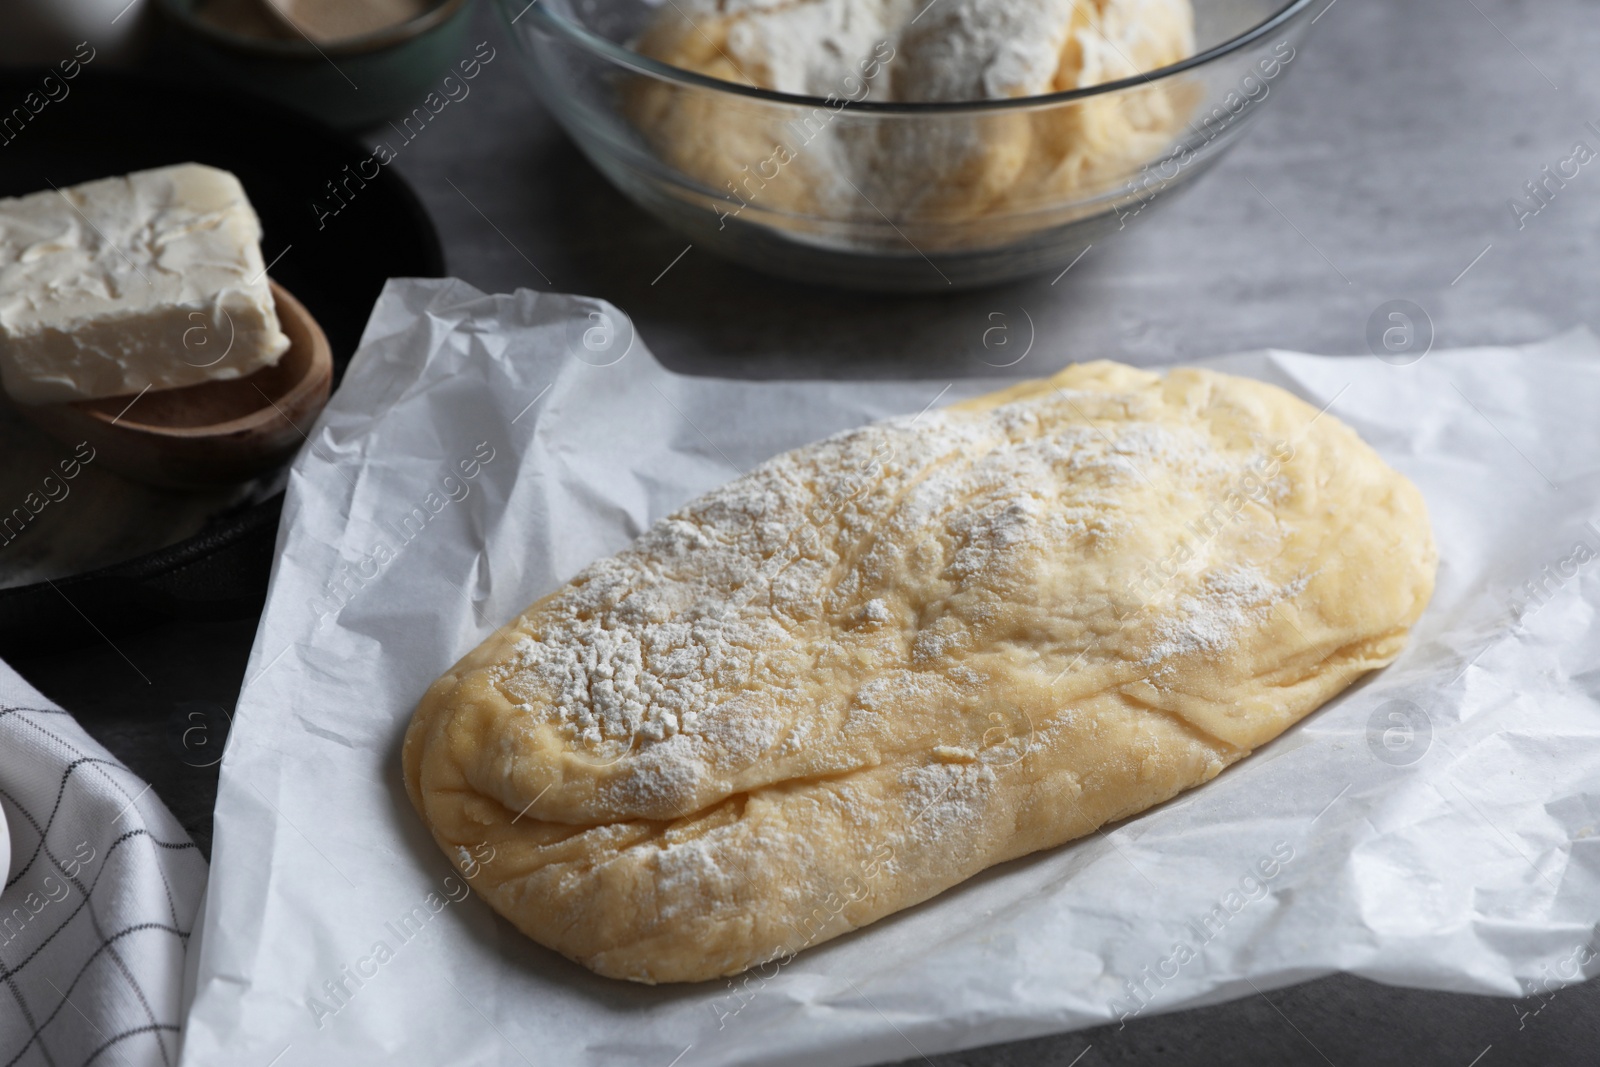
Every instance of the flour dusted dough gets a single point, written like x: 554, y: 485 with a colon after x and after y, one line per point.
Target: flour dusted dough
x: 874, y: 666
x: 962, y: 168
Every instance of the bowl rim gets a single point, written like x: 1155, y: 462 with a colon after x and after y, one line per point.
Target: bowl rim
x: 540, y: 13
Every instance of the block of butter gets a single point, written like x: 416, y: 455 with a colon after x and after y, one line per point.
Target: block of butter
x: 152, y: 280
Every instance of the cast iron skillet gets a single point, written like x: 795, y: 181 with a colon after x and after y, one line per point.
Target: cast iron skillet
x: 103, y: 123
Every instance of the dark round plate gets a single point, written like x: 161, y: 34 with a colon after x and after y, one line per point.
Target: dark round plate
x: 112, y: 123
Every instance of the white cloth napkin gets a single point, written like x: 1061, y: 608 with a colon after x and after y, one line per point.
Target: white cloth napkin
x: 98, y: 904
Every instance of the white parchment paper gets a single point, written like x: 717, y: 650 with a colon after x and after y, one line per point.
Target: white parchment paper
x: 1435, y: 826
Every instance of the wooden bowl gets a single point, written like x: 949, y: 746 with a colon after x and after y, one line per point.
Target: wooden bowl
x: 211, y: 435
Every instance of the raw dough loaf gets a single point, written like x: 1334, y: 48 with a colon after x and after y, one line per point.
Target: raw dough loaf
x: 962, y: 168
x: 874, y: 666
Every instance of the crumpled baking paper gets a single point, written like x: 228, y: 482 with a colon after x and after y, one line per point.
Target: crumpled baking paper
x: 1434, y: 826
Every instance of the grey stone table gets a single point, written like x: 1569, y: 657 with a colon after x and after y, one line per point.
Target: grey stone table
x: 1384, y: 169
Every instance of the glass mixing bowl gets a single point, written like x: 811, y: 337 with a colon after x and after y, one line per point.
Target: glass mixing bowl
x: 748, y: 172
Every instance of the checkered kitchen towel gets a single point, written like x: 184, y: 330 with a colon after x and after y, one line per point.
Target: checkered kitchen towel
x: 98, y: 904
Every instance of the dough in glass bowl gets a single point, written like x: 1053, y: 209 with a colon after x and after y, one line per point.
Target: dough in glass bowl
x: 978, y: 171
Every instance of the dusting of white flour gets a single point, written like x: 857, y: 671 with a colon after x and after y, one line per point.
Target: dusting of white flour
x: 692, y: 650
x: 948, y: 50
x: 1229, y: 601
